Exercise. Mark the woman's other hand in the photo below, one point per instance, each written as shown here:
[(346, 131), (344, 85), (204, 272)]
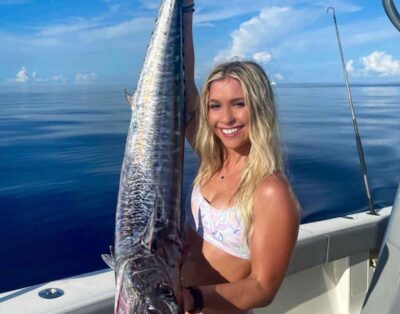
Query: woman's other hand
[(188, 301)]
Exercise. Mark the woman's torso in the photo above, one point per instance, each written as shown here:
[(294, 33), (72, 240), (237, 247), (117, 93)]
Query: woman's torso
[(206, 263)]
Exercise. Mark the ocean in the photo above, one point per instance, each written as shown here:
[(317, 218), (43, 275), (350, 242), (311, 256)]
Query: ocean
[(61, 149)]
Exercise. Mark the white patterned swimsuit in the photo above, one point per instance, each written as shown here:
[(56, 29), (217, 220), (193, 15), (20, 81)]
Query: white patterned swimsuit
[(222, 228)]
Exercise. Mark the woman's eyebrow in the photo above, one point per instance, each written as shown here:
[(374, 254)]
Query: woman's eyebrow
[(231, 101), (237, 99)]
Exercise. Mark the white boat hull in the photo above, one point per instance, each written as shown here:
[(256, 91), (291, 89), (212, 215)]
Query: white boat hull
[(329, 274)]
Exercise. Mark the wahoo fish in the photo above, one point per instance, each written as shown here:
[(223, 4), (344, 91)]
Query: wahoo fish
[(148, 245)]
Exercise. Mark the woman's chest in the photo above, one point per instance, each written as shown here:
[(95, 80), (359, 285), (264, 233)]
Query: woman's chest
[(220, 193)]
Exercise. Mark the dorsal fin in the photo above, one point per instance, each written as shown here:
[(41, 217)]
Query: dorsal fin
[(129, 98)]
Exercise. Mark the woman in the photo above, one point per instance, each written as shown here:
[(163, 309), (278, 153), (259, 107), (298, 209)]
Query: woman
[(242, 218)]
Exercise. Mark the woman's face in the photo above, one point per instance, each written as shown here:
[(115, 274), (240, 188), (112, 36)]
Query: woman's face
[(228, 115)]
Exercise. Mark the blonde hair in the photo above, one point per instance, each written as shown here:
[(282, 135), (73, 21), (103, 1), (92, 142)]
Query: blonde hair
[(265, 156)]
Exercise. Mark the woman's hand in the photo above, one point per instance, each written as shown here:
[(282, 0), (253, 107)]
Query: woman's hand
[(187, 2), (188, 301)]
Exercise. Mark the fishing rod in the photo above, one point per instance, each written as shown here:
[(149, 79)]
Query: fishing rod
[(357, 134), (392, 13)]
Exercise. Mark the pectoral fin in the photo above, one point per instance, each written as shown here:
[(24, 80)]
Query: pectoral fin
[(109, 258)]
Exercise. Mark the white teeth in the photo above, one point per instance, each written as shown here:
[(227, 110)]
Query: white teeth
[(229, 131)]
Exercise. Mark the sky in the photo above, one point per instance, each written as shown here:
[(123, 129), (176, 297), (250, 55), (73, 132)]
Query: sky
[(105, 41)]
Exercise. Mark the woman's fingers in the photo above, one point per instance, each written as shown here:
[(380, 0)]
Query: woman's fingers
[(187, 2), (188, 302)]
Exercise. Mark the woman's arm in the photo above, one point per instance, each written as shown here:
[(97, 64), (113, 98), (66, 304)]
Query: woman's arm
[(191, 94), (276, 217)]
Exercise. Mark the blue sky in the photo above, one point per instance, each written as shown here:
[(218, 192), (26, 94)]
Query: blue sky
[(104, 41)]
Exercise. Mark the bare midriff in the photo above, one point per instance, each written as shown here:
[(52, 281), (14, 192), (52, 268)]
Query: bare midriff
[(206, 264)]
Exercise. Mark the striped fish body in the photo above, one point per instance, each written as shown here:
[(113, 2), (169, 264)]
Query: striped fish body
[(148, 232)]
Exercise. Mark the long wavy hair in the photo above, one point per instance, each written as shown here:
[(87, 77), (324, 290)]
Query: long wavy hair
[(265, 156)]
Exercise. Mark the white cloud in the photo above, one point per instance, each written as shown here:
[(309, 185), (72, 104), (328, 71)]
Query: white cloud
[(218, 15), (340, 6), (212, 10), (73, 26), (135, 25), (256, 34), (74, 30), (22, 76), (278, 77), (85, 78), (150, 4), (58, 78), (115, 7), (262, 57), (380, 63), (349, 66)]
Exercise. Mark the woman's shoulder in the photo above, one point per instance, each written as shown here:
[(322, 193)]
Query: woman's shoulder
[(275, 193), (273, 185)]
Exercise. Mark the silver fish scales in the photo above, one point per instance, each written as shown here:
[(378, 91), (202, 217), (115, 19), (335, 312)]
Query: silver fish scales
[(148, 232)]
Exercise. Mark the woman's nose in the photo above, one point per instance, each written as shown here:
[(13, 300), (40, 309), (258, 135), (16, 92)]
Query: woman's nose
[(227, 116)]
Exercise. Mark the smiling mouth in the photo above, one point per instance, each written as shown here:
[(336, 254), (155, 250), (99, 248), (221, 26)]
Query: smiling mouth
[(230, 131)]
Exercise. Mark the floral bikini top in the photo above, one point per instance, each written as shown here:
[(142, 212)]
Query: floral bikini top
[(222, 228)]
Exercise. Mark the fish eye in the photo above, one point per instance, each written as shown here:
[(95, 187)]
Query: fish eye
[(165, 290), (151, 309)]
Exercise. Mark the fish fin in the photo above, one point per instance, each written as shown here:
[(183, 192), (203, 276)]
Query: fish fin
[(109, 258), (129, 98)]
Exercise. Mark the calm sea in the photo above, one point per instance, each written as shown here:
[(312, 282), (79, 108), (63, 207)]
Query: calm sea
[(61, 150)]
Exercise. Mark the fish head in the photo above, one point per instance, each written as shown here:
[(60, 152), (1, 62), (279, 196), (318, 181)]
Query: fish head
[(143, 287)]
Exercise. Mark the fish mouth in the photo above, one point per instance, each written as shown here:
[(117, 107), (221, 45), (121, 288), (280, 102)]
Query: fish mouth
[(144, 291), (122, 303)]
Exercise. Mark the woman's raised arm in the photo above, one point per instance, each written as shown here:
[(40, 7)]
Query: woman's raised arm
[(191, 94)]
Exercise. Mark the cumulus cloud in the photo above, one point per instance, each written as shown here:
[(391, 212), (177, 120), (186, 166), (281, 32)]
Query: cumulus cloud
[(208, 11), (278, 77), (85, 78), (349, 66), (58, 78), (22, 76), (254, 35), (262, 57), (380, 63)]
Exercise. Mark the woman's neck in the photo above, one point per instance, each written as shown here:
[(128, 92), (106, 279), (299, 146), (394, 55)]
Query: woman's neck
[(233, 161), (233, 158)]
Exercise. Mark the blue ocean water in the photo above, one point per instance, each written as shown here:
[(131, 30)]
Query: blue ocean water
[(61, 150)]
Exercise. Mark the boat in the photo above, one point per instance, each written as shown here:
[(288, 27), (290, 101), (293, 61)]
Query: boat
[(343, 265), (330, 272)]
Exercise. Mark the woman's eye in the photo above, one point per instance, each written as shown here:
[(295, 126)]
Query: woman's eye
[(213, 106), (239, 104)]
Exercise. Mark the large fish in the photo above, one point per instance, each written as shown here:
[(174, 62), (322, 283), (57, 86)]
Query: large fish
[(148, 234)]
